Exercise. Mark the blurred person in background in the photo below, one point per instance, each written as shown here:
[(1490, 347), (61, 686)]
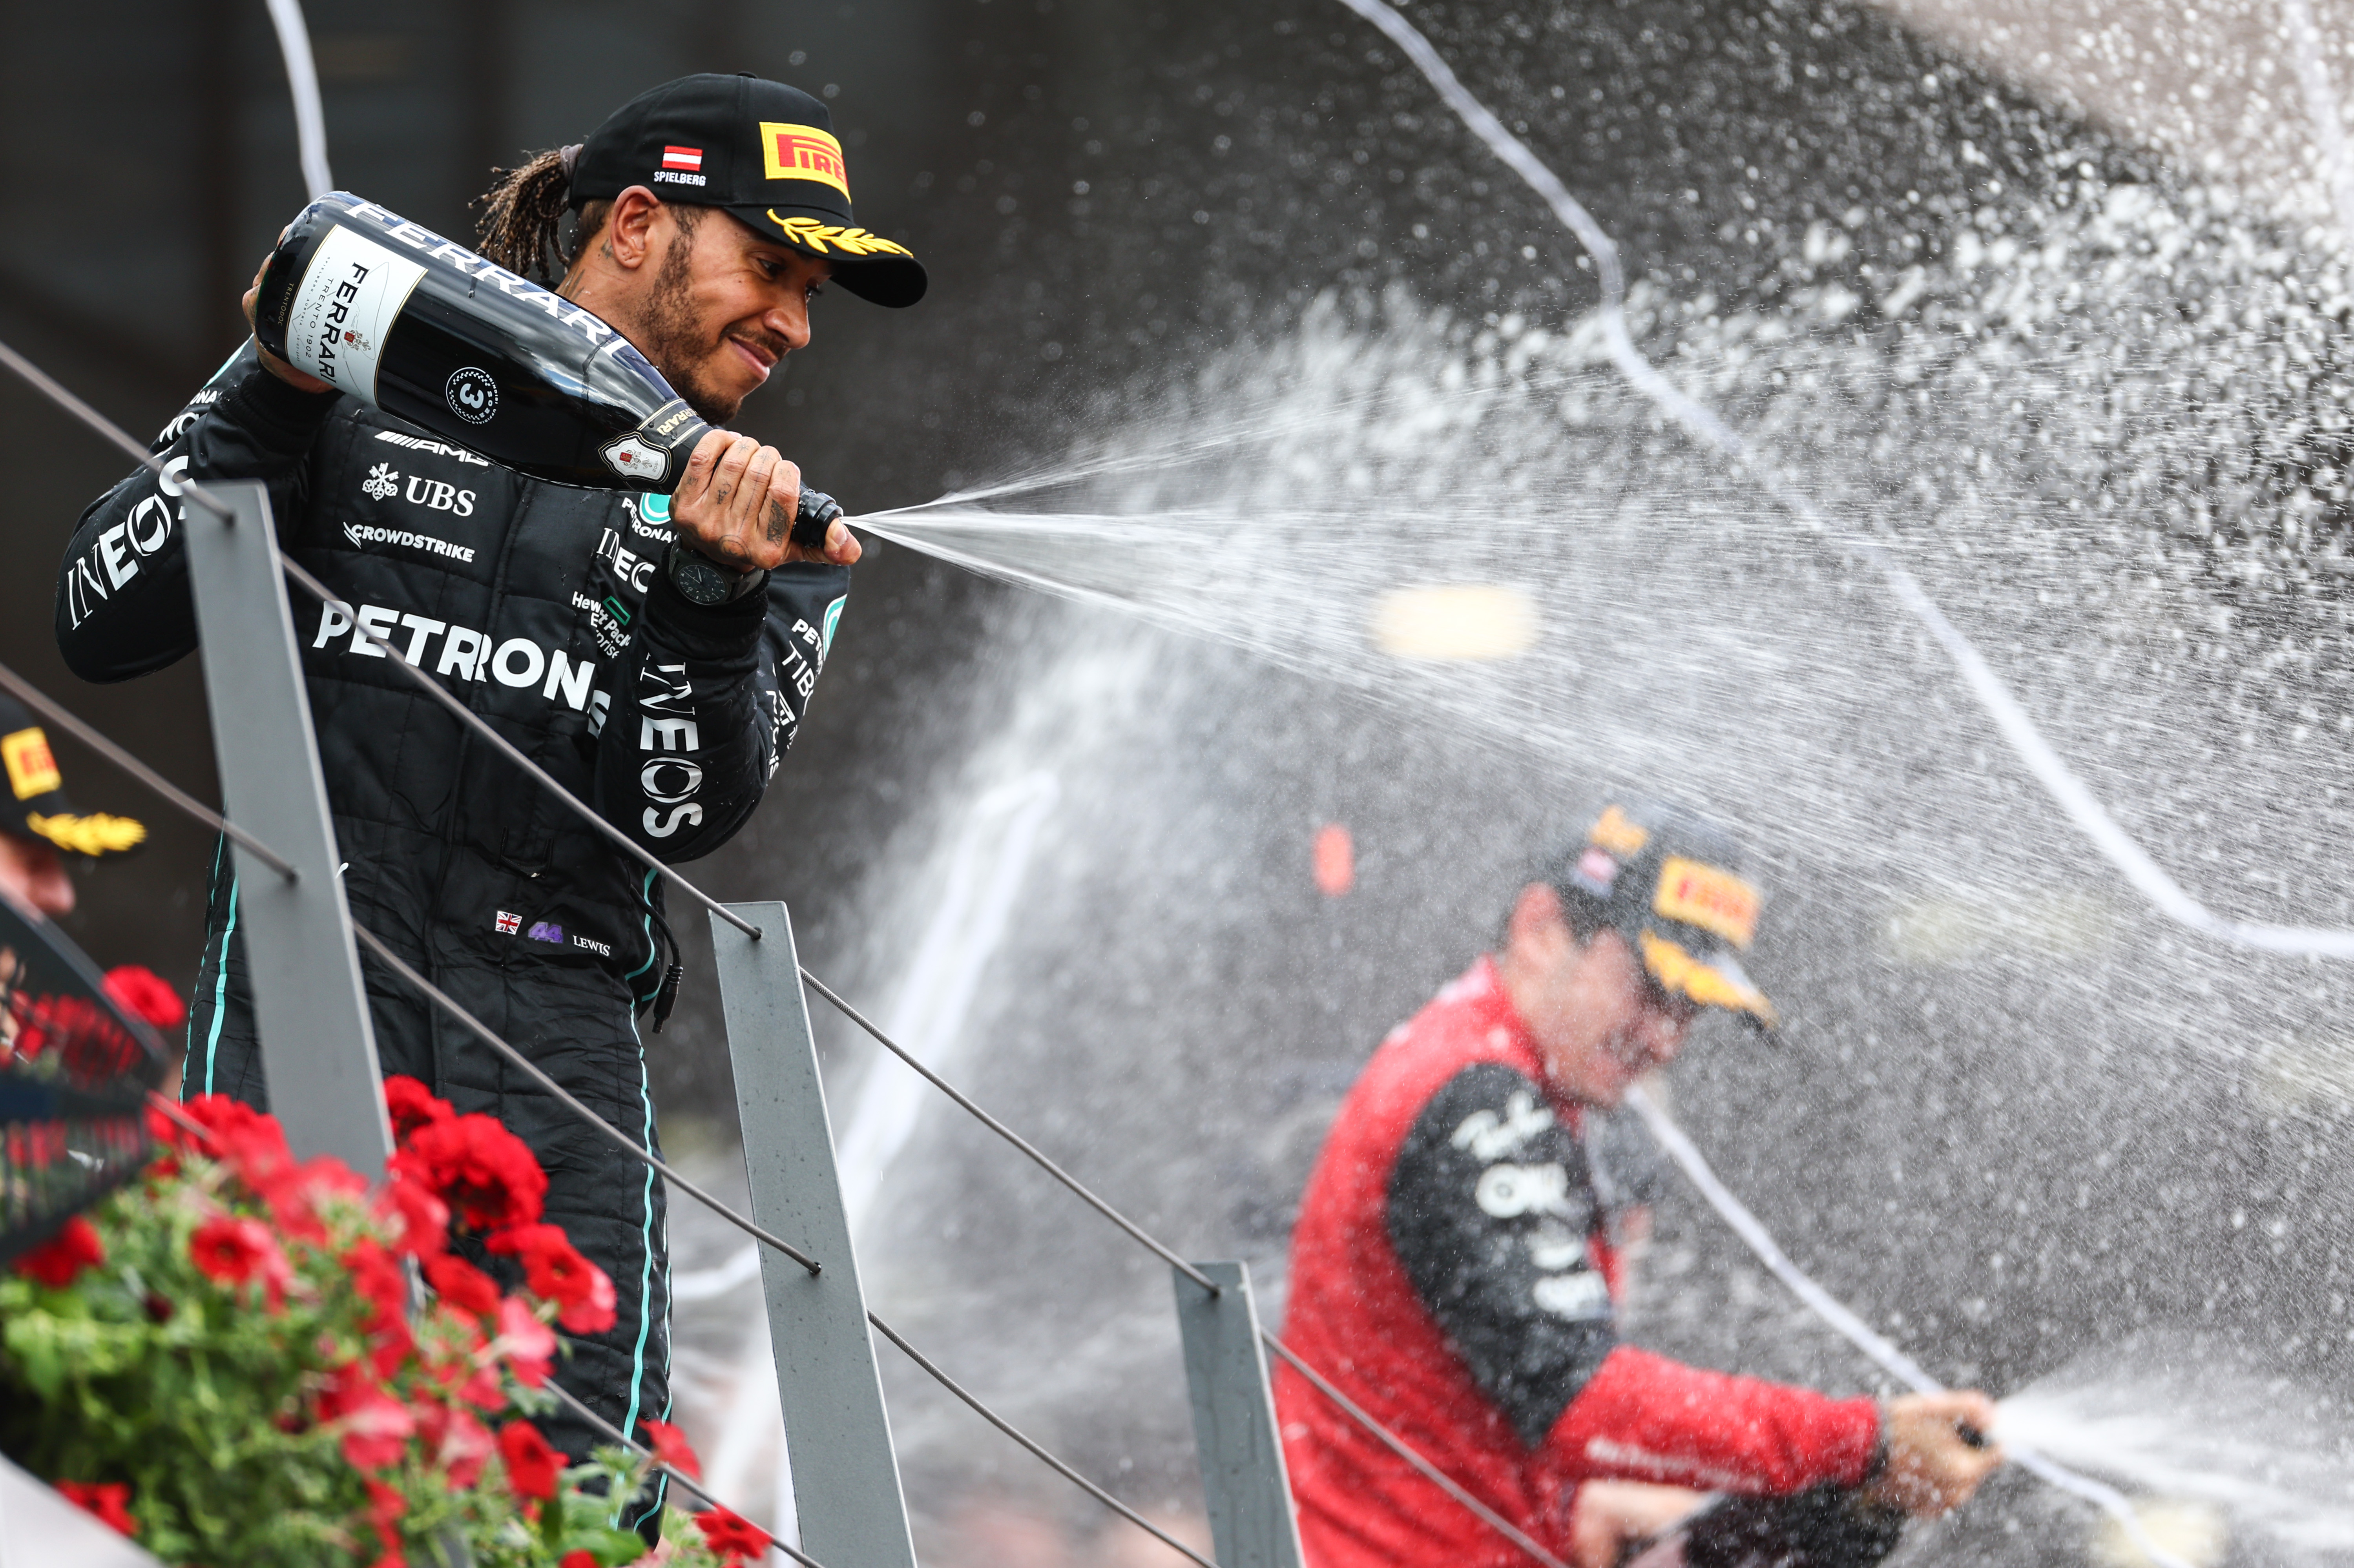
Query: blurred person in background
[(38, 826), (655, 653), (1460, 1259)]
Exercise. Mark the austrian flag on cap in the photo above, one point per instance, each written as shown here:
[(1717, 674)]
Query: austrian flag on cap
[(688, 159)]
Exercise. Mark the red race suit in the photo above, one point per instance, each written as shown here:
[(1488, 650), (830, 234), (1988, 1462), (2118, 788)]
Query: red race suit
[(1453, 1272)]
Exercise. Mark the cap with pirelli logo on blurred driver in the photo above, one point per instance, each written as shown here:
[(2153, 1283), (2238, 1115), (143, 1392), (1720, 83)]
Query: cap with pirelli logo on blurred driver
[(764, 152), (1669, 881)]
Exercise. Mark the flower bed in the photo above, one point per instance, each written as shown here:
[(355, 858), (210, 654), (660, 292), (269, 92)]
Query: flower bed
[(230, 1362)]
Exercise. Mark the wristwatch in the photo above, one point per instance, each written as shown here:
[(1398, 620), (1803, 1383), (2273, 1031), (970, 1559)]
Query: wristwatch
[(704, 581)]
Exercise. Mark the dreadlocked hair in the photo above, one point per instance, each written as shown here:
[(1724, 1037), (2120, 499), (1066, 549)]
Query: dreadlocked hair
[(522, 226)]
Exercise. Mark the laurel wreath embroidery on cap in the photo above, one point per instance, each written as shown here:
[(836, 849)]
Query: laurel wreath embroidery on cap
[(849, 241), (95, 834)]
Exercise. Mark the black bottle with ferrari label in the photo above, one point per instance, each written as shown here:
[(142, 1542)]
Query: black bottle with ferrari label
[(427, 329)]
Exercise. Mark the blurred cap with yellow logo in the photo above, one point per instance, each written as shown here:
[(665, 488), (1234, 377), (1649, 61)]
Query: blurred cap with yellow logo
[(35, 806), (1669, 881)]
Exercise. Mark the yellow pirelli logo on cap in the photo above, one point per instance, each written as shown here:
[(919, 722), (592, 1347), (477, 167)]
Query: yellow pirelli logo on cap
[(803, 153), (1680, 974), (1709, 897), (31, 770)]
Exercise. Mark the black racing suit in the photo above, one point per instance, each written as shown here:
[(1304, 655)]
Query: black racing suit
[(545, 610)]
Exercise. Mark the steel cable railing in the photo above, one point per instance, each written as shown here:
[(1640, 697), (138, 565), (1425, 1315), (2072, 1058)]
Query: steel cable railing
[(685, 1482), (563, 1096), (490, 1037), (1315, 1379), (1011, 1137), (1404, 1451), (41, 381), (1007, 1427), (1389, 1439)]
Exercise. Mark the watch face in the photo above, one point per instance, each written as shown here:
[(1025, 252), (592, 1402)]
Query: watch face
[(703, 581)]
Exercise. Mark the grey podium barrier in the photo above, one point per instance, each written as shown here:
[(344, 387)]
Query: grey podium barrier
[(318, 1051), (1243, 1477), (837, 1437)]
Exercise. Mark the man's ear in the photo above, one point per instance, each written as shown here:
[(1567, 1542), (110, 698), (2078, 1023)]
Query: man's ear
[(630, 228), (1537, 924)]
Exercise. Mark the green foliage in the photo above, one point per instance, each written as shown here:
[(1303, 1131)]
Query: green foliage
[(250, 1358)]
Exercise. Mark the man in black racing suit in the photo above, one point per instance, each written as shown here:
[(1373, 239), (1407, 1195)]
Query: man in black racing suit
[(658, 686)]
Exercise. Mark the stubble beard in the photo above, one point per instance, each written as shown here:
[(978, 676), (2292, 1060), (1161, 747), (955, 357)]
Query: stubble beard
[(674, 341)]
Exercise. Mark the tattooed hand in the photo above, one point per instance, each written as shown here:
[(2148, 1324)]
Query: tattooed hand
[(736, 505)]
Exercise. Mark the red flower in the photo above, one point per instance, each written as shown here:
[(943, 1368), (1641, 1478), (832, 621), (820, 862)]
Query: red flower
[(57, 1260), (146, 995), (732, 1536), (670, 1446), (378, 1275), (557, 1272), (380, 1282), (424, 1219), (376, 1427), (485, 1174), (532, 1465), (412, 1106), (294, 1191), (458, 1444), (106, 1501), (484, 1390), (461, 1284), (385, 1505), (233, 1250), (250, 1141), (578, 1557), (525, 1341)]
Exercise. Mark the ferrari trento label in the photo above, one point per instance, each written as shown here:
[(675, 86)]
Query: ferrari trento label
[(803, 153), (665, 422), (347, 301), (1704, 895)]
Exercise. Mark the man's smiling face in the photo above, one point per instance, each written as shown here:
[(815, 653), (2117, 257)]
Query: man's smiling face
[(725, 306)]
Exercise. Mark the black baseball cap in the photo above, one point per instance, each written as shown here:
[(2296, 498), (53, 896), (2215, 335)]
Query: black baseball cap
[(1669, 881), (766, 154), (33, 806)]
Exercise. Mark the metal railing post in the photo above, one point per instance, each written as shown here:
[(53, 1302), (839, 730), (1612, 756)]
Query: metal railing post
[(310, 1006), (1248, 1490), (838, 1439)]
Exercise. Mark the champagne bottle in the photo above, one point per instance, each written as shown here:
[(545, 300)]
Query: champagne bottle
[(427, 329)]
